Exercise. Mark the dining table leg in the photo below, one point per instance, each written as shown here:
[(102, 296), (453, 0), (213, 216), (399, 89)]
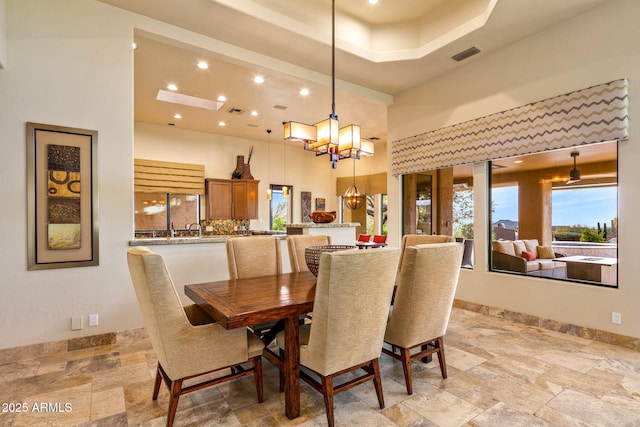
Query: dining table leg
[(292, 367)]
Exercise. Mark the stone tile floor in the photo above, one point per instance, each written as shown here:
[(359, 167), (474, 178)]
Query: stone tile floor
[(500, 374)]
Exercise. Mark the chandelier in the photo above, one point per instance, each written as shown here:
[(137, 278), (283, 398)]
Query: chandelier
[(325, 137)]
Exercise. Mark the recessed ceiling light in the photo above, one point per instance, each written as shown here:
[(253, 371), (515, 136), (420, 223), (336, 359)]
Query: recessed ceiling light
[(177, 116), (222, 124), (374, 1), (304, 91), (172, 86), (254, 113), (222, 98), (258, 79), (518, 161), (203, 65)]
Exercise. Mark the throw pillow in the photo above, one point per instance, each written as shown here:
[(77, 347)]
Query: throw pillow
[(546, 252), (519, 247), (529, 256)]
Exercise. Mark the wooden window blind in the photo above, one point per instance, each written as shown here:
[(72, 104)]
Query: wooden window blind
[(152, 176)]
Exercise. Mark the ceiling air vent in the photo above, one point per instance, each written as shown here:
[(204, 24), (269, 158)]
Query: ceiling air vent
[(233, 110), (280, 107), (465, 54)]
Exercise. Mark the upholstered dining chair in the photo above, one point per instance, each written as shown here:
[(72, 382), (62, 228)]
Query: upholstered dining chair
[(253, 257), (426, 287), (421, 239), (344, 336), (364, 238), (186, 341), (298, 243)]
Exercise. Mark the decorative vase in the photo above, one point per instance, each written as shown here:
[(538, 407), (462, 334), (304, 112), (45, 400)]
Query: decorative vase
[(246, 171), (237, 173)]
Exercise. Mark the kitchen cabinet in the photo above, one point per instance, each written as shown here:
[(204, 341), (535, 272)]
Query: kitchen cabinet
[(231, 198)]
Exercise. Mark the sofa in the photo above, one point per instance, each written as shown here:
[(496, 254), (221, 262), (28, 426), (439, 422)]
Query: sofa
[(527, 257)]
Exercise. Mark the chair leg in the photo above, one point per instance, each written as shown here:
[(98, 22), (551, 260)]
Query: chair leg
[(405, 355), (443, 364), (327, 391), (281, 374), (174, 396), (156, 386), (377, 382), (257, 368)]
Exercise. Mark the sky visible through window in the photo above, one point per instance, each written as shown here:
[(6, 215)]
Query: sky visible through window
[(570, 207)]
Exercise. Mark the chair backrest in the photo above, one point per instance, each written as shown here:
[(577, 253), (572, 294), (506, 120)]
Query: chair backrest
[(425, 292), (421, 239), (379, 239), (161, 308), (364, 237), (296, 245), (253, 257), (352, 299)]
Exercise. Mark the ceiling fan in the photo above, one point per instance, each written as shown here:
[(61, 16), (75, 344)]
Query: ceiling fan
[(574, 174)]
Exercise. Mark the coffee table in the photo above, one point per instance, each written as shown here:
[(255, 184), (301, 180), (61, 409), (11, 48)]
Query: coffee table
[(591, 268)]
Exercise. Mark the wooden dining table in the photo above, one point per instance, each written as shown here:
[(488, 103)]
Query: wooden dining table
[(244, 302)]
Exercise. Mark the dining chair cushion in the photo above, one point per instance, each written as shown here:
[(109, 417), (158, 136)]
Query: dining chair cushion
[(364, 237), (297, 245), (253, 257)]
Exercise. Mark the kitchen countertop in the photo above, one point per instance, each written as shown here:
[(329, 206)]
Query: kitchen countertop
[(151, 241), (323, 225)]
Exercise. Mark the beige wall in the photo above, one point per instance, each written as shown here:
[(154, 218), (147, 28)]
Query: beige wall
[(591, 49)]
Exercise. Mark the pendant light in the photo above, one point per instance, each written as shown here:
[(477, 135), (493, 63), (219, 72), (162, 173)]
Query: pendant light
[(325, 137), (352, 197)]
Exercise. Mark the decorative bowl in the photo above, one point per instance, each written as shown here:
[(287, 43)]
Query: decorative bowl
[(322, 217), (312, 254)]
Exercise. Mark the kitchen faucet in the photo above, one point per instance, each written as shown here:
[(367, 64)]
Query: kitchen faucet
[(195, 226)]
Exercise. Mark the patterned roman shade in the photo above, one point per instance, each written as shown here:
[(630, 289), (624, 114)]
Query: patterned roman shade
[(592, 115)]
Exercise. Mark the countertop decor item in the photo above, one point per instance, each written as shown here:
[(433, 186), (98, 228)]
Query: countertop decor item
[(312, 254), (322, 217)]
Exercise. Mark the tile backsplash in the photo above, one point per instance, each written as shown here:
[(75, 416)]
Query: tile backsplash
[(217, 227)]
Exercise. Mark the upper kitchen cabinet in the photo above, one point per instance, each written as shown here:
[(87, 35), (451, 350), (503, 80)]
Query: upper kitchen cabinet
[(231, 198)]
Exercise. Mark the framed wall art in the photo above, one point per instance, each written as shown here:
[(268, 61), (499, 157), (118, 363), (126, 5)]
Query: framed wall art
[(320, 204), (62, 191), (305, 200)]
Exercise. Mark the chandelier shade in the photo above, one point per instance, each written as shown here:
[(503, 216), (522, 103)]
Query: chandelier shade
[(294, 131)]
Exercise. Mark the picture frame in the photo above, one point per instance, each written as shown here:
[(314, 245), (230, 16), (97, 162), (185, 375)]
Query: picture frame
[(62, 197), (320, 204), (305, 201)]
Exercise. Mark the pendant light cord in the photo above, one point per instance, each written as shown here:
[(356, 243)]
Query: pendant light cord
[(333, 60)]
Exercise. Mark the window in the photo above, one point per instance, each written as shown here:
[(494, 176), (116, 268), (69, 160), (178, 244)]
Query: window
[(280, 206), (156, 214), (562, 206)]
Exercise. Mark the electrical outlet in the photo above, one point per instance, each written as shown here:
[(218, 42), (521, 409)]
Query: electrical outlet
[(76, 323), (616, 318), (93, 320)]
